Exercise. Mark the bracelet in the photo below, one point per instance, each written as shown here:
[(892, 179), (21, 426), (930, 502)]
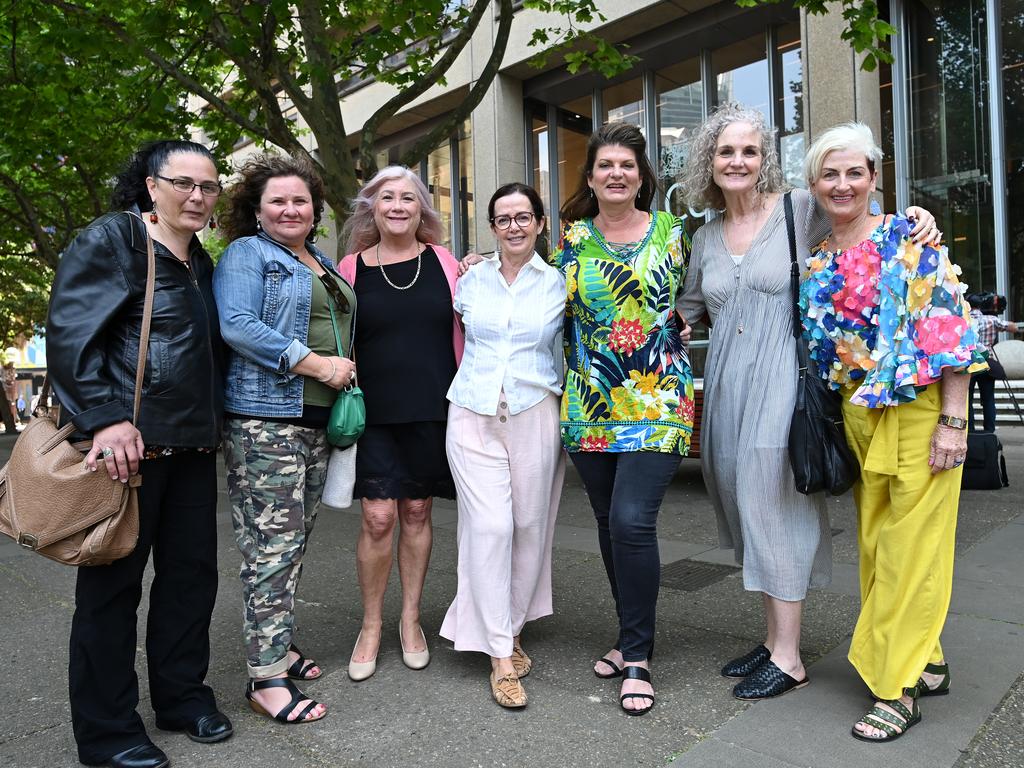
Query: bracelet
[(334, 370), (952, 421)]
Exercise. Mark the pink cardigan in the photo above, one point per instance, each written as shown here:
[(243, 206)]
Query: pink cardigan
[(347, 269)]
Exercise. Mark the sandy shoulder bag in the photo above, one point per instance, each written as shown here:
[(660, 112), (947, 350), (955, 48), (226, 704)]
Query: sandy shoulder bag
[(51, 503)]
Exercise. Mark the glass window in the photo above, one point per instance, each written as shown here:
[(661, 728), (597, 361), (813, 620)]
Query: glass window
[(540, 173), (439, 184), (887, 174), (790, 104), (624, 103), (1013, 115), (467, 202), (949, 134), (680, 112), (575, 124), (741, 74)]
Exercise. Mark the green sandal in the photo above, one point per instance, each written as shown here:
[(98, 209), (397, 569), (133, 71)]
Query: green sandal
[(939, 690), (893, 725)]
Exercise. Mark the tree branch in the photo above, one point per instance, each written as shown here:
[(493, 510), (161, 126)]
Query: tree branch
[(442, 65), (185, 80), (476, 93), (44, 248)]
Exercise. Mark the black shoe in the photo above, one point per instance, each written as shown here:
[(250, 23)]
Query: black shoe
[(207, 729), (765, 682), (142, 756), (744, 665), (636, 673)]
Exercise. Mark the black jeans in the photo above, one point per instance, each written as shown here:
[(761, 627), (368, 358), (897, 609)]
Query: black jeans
[(625, 491), (177, 521), (986, 383)]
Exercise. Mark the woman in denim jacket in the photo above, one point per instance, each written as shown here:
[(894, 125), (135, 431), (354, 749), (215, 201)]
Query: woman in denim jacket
[(279, 299)]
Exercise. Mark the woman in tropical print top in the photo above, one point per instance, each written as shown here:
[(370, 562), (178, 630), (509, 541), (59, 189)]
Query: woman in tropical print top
[(628, 384), (627, 408)]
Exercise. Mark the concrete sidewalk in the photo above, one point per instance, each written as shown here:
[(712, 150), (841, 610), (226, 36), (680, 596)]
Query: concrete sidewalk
[(444, 716)]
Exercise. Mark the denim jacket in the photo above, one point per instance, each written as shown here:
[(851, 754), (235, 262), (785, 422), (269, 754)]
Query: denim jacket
[(263, 297)]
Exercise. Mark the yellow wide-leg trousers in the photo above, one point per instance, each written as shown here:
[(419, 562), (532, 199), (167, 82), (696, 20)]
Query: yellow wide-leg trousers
[(906, 526)]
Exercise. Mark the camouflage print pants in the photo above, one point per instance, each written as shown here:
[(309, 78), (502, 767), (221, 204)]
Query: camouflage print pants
[(276, 474)]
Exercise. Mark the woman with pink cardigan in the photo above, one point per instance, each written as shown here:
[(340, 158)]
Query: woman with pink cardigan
[(408, 344)]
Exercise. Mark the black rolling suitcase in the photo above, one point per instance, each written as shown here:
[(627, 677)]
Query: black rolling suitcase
[(985, 467)]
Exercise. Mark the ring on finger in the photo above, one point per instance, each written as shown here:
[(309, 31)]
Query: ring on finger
[(108, 452)]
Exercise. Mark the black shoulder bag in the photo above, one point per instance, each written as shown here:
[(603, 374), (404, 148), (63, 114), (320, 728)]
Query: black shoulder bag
[(821, 458)]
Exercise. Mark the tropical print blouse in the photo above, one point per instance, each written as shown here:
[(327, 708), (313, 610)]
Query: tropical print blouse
[(628, 386), (887, 316)]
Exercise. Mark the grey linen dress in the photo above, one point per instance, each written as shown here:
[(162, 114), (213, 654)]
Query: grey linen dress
[(781, 537)]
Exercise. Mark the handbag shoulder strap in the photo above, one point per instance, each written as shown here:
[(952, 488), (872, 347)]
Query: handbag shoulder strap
[(794, 267), (334, 325), (147, 320)]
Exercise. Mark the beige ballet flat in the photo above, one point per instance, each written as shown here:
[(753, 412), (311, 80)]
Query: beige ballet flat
[(361, 670), (414, 659)]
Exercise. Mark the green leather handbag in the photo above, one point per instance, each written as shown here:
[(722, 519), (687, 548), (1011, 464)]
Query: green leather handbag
[(348, 414)]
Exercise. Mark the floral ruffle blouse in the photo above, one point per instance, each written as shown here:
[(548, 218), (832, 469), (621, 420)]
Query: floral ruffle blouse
[(628, 386), (887, 316)]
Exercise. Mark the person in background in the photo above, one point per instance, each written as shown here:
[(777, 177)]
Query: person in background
[(985, 311), (408, 345), (10, 384), (96, 309), (276, 292), (503, 442), (888, 326)]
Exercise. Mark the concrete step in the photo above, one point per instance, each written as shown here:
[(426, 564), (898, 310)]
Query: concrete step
[(1006, 413)]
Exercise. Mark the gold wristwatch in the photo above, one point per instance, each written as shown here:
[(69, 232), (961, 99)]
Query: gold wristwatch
[(952, 421)]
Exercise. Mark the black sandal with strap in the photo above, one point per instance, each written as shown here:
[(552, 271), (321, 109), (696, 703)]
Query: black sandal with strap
[(282, 715), (616, 671), (636, 673), (942, 688), (894, 724), (302, 665)]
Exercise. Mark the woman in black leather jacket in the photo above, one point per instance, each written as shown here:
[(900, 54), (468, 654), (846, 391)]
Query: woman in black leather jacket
[(93, 331)]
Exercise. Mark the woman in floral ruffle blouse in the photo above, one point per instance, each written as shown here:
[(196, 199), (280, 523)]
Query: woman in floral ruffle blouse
[(887, 325), (627, 408)]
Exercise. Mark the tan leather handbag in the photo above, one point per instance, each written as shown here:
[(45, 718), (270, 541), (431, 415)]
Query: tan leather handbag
[(49, 500)]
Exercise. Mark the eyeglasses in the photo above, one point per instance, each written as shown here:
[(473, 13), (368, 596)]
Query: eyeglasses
[(185, 186), (521, 219)]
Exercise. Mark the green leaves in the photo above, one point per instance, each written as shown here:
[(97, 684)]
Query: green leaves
[(865, 31)]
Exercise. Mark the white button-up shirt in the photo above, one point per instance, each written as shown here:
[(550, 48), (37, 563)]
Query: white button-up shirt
[(513, 336)]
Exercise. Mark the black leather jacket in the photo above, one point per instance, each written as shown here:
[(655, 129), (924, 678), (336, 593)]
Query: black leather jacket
[(92, 336)]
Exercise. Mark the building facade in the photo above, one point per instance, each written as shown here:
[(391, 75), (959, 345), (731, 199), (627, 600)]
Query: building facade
[(949, 112)]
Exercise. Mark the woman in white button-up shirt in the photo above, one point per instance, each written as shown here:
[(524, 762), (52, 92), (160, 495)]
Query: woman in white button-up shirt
[(503, 441)]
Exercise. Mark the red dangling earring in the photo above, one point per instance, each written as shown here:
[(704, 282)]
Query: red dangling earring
[(153, 218), (213, 223)]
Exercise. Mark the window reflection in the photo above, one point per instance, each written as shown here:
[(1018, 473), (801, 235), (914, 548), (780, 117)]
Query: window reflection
[(949, 134), (680, 109), (790, 101), (741, 74), (1013, 106), (624, 103), (466, 199), (575, 124)]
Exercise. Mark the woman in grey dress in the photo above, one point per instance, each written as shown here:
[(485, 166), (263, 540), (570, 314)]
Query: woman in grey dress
[(739, 278)]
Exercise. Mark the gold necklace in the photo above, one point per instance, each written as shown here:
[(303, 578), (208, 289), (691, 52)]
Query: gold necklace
[(419, 263)]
